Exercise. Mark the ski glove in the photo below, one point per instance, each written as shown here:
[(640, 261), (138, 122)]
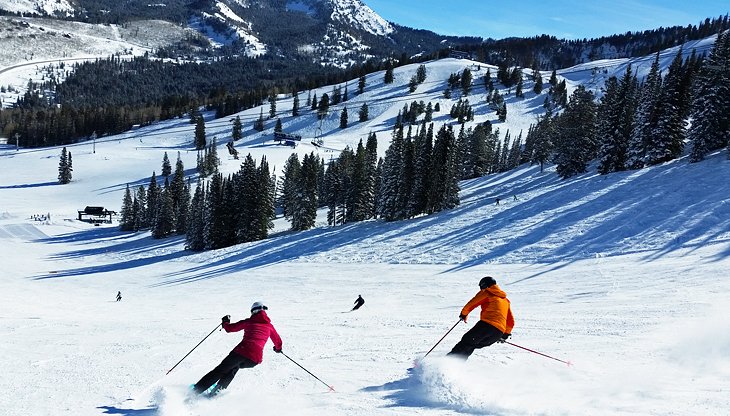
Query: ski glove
[(226, 319), (278, 351), (505, 336), (462, 317)]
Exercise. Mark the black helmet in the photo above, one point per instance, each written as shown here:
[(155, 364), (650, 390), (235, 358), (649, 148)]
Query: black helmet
[(486, 282)]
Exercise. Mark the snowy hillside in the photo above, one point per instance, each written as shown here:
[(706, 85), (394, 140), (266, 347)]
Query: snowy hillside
[(38, 7), (624, 275)]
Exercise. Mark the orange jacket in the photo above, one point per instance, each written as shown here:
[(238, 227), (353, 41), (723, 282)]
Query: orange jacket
[(495, 308)]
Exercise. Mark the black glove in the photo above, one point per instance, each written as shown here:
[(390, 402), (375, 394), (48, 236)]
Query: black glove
[(462, 317), (226, 319), (278, 351), (505, 336)]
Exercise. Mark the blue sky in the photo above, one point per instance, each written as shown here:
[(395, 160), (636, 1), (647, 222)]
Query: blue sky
[(572, 19)]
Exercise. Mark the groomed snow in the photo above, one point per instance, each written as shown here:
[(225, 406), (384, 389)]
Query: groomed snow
[(623, 275)]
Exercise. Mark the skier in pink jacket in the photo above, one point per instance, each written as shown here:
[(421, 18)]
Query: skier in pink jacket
[(248, 353)]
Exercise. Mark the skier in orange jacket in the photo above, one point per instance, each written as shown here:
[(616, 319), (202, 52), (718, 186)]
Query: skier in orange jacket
[(495, 321)]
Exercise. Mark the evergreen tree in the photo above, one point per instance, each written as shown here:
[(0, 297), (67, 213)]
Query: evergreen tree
[(278, 128), (166, 166), (363, 113), (537, 88), (126, 222), (343, 118), (64, 167), (371, 161), (314, 103), (195, 235), (667, 141), (615, 123), (180, 195), (576, 144), (518, 91), (389, 200), (258, 125), (153, 196), (646, 118), (361, 85), (466, 80), (289, 185), (323, 106), (164, 220), (237, 133), (710, 111), (444, 193), (200, 141), (295, 105), (388, 78), (422, 149), (305, 205), (140, 209), (272, 104)]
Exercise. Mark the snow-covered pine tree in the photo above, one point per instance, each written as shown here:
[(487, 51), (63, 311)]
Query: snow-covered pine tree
[(646, 117), (710, 112), (180, 196), (576, 145), (361, 84), (667, 141), (289, 185)]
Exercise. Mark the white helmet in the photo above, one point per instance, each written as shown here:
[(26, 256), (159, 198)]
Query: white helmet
[(258, 307)]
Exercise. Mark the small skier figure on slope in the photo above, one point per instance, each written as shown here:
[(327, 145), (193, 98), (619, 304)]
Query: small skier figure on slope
[(247, 354), (496, 320), (358, 302), (119, 296)]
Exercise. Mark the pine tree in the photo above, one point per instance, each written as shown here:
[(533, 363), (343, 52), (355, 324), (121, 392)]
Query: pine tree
[(200, 141), (258, 125), (153, 195), (363, 113), (289, 190), (65, 167), (422, 149), (295, 105), (278, 128), (444, 193), (166, 166), (466, 80), (389, 199), (537, 88), (343, 118), (576, 144), (314, 103), (305, 208), (140, 209), (361, 85), (646, 118), (126, 222), (667, 140), (518, 90), (323, 106), (272, 104), (180, 197), (164, 220), (237, 133), (710, 111), (195, 235), (388, 78)]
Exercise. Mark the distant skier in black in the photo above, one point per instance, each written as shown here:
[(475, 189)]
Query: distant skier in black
[(119, 296), (358, 302)]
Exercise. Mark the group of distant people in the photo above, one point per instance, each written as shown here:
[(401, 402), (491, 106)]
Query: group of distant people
[(41, 217), (495, 325)]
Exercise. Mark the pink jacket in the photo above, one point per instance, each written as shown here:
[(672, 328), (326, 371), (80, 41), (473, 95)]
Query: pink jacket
[(257, 330)]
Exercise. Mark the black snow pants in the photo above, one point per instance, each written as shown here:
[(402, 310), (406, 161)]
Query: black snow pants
[(224, 372), (480, 336)]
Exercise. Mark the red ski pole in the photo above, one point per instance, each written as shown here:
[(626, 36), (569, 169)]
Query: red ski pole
[(538, 353)]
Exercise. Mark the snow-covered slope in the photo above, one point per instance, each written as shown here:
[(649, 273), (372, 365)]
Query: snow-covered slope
[(356, 14), (624, 275), (38, 7)]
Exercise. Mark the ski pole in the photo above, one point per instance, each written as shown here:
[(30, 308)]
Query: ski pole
[(439, 341), (539, 353), (186, 355), (310, 373)]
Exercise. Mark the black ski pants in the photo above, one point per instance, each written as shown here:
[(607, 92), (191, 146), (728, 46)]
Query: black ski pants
[(480, 336), (224, 372)]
